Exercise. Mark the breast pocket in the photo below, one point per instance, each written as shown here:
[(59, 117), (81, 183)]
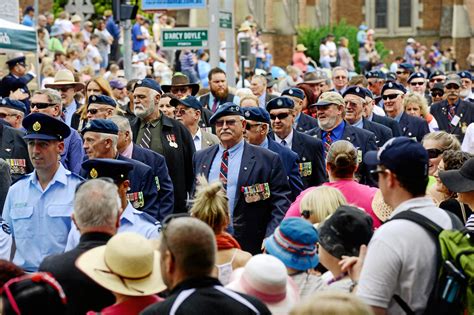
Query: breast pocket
[(21, 222), (59, 220)]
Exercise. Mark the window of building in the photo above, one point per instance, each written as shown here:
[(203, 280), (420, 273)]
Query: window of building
[(392, 17), (381, 13)]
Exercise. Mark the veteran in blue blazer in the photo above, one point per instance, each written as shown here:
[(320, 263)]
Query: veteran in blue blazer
[(253, 177), (303, 122)]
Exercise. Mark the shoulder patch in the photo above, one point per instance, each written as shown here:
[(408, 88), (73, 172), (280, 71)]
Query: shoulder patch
[(5, 226)]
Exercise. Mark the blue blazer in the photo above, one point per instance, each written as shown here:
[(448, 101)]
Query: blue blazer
[(382, 133), (364, 141), (305, 123), (253, 221), (465, 112), (389, 122), (157, 163), (413, 127), (290, 163), (10, 83)]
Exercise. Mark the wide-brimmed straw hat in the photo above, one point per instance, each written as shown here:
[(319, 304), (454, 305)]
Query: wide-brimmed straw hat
[(381, 209), (301, 47), (265, 277), (127, 265), (180, 79), (64, 77)]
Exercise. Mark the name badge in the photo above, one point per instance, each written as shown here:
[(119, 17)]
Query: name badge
[(157, 182), (455, 120), (256, 192), (136, 198), (17, 166), (305, 169)]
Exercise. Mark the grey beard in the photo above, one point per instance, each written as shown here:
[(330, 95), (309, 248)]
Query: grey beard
[(328, 125)]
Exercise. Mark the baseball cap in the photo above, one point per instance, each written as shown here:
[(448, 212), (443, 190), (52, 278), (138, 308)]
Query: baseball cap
[(189, 101), (453, 79), (328, 98)]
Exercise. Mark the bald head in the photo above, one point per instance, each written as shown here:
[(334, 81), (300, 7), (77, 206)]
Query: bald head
[(193, 245)]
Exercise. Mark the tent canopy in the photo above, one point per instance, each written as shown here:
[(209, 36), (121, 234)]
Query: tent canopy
[(15, 36)]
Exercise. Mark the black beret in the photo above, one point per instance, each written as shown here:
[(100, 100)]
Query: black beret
[(101, 126), (465, 75), (436, 73), (295, 92), (376, 74), (416, 75), (102, 99), (13, 104), (256, 114), (226, 109), (355, 90), (393, 86)]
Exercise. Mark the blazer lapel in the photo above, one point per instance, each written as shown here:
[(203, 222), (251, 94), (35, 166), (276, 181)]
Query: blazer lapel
[(246, 167), (7, 143), (206, 162)]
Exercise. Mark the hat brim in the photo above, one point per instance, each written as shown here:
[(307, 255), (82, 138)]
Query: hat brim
[(321, 103), (371, 158), (452, 82), (282, 307), (290, 260), (77, 85), (92, 263), (194, 86), (456, 182), (40, 136)]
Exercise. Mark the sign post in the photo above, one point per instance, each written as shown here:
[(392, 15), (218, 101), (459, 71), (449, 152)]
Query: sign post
[(184, 38)]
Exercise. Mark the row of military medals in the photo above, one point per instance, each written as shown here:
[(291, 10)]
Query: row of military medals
[(256, 192), (172, 141)]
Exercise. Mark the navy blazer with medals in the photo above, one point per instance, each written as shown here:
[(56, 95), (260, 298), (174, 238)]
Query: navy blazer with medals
[(382, 133), (253, 221), (364, 141), (163, 181), (388, 122), (143, 194), (413, 127), (309, 150), (178, 157), (14, 150), (306, 122), (465, 112), (290, 162)]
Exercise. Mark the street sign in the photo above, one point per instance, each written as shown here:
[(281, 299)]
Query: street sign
[(225, 19), (172, 4), (184, 38)]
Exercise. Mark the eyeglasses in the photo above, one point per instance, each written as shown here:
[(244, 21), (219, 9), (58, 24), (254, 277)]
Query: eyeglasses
[(5, 115), (279, 116), (434, 153), (390, 96), (437, 80), (375, 173), (417, 83), (340, 77), (41, 105), (249, 126), (182, 89), (452, 87), (437, 94), (64, 88), (229, 123)]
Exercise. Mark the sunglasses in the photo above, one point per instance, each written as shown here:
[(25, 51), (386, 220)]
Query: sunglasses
[(94, 111), (229, 123), (41, 105), (402, 72), (249, 126), (390, 96), (64, 88), (437, 94), (452, 87), (4, 115), (437, 80), (175, 90), (417, 83), (434, 153), (375, 173), (279, 116), (181, 111)]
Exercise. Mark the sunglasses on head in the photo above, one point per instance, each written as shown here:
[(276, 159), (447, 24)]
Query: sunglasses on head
[(279, 116), (417, 83), (390, 96), (41, 105), (434, 153)]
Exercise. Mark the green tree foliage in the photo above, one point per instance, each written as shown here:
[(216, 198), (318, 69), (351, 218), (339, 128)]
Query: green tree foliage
[(311, 38)]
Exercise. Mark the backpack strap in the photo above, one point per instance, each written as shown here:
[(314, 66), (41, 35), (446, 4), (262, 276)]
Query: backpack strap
[(403, 305)]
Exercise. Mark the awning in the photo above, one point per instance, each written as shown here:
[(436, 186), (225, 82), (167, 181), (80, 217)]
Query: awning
[(15, 36)]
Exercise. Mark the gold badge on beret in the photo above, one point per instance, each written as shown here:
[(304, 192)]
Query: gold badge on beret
[(93, 173), (36, 126)]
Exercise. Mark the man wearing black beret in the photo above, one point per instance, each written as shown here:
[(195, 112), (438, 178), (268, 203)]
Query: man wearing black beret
[(12, 111), (303, 122)]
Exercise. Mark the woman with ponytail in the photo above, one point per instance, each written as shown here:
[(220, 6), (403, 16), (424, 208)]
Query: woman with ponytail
[(211, 206)]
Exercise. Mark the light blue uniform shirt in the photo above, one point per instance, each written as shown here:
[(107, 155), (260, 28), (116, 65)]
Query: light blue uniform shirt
[(234, 161), (359, 124), (131, 220), (69, 111), (39, 219), (264, 144), (398, 117)]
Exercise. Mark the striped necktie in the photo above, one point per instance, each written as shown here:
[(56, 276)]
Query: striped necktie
[(224, 168), (146, 139), (328, 142)]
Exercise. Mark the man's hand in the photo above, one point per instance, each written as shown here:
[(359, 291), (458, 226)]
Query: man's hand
[(353, 265), (18, 95)]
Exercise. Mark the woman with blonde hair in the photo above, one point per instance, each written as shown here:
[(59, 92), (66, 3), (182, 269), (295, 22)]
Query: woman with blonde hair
[(94, 86), (416, 105), (345, 57), (212, 207), (320, 203), (342, 164)]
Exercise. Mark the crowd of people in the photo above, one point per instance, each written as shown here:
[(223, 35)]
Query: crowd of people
[(308, 194)]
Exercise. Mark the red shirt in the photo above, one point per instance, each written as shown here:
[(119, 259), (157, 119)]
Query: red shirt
[(132, 306)]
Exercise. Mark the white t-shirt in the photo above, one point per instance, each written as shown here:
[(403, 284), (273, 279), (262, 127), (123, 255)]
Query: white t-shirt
[(468, 142), (332, 50), (93, 52), (401, 259)]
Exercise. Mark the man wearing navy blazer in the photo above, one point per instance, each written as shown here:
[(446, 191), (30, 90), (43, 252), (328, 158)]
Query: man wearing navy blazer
[(253, 177), (354, 97), (258, 126), (369, 114), (310, 150), (333, 127), (453, 114), (156, 161), (412, 127), (303, 122)]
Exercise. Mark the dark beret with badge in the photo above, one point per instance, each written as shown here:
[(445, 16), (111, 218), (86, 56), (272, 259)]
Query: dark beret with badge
[(101, 126), (117, 170), (436, 73), (13, 104), (44, 127), (256, 114), (148, 83), (407, 67), (376, 74), (280, 102), (102, 99), (355, 90), (226, 109), (189, 101), (295, 92), (393, 86), (465, 75), (391, 76), (416, 75)]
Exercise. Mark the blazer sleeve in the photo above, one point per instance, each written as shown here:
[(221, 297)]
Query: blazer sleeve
[(319, 169), (75, 153), (294, 177), (188, 158), (150, 193), (165, 192)]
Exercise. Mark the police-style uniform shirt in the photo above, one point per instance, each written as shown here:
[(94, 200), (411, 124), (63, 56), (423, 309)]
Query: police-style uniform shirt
[(40, 220), (131, 220)]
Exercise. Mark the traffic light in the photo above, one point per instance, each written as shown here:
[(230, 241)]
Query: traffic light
[(122, 11)]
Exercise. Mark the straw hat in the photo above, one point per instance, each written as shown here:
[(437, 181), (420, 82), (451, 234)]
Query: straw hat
[(301, 47), (76, 18), (265, 277), (127, 265), (64, 77), (381, 209)]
